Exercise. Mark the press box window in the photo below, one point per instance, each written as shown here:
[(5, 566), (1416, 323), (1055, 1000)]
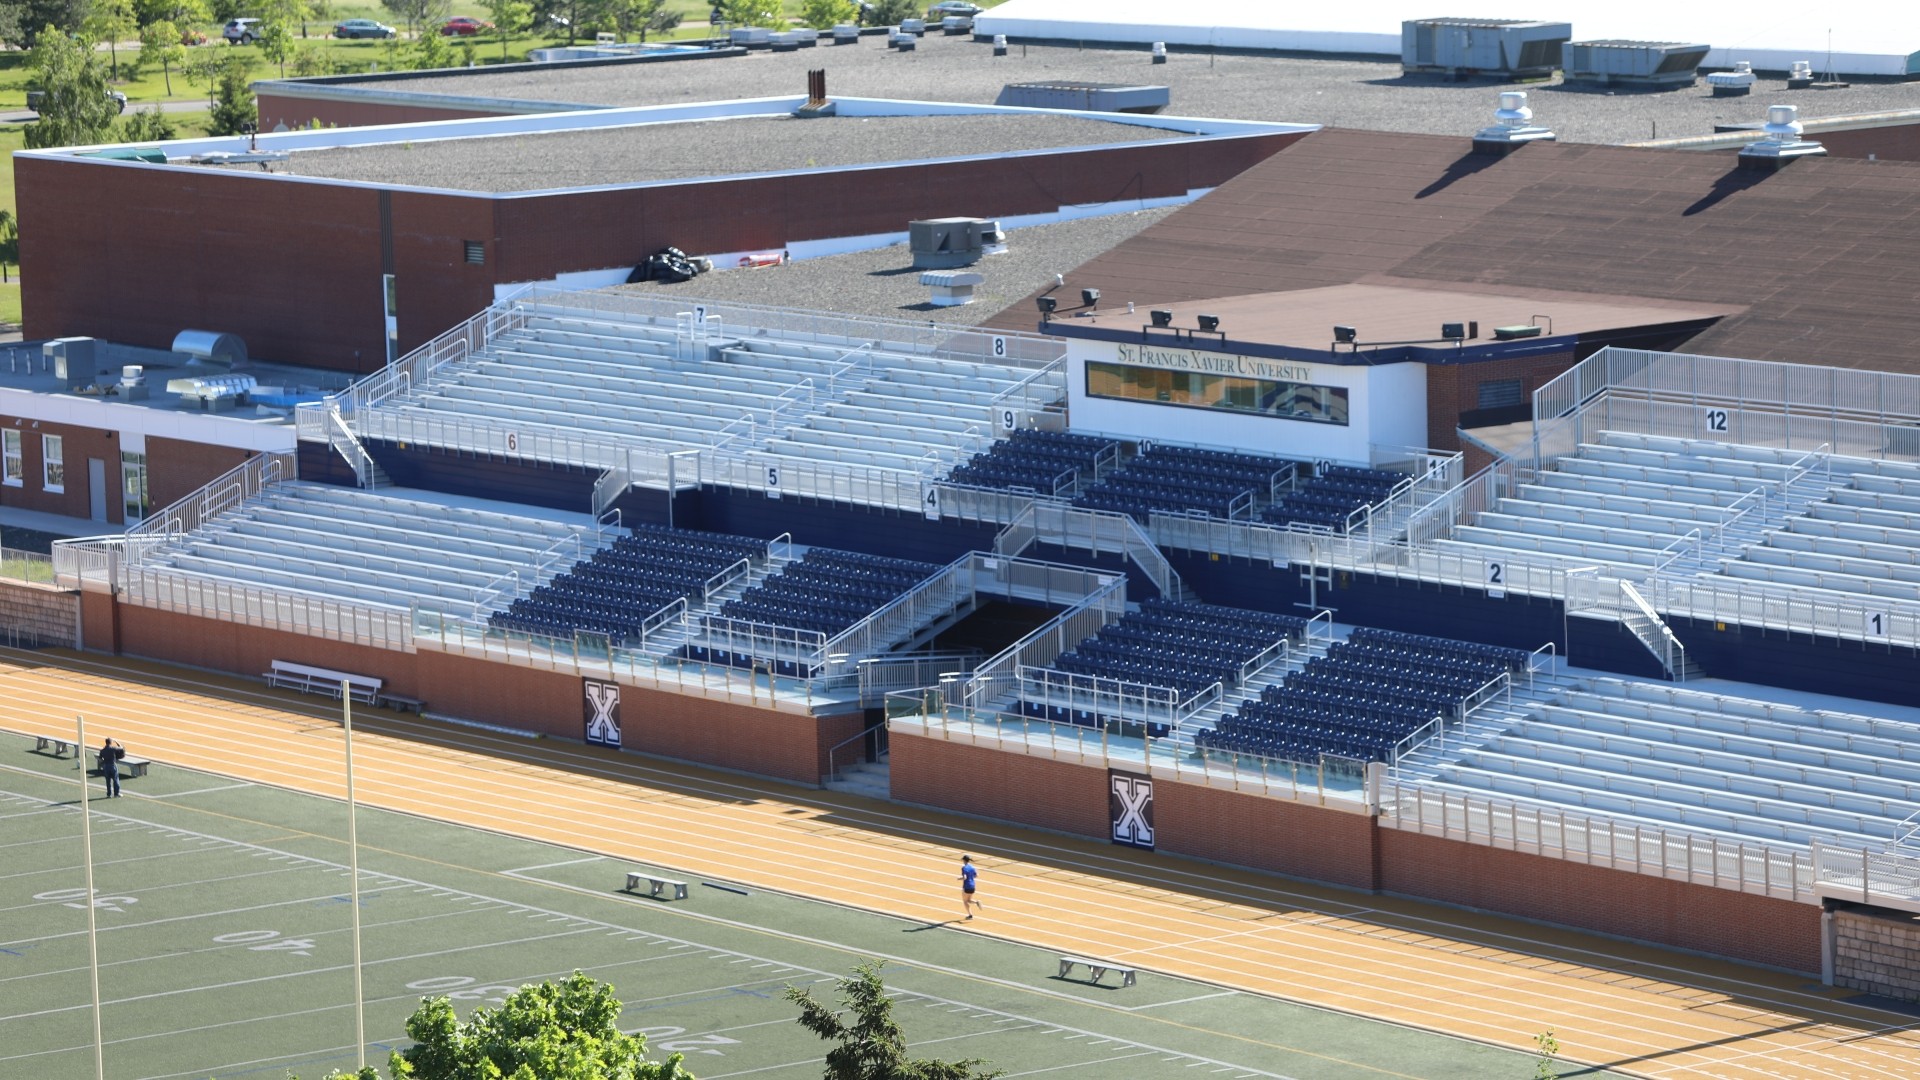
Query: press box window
[(1227, 393), (477, 252)]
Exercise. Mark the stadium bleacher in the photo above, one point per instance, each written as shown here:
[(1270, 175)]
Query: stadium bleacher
[(1362, 698), (1330, 499), (620, 587), (1184, 479), (823, 593), (1045, 462), (1180, 646)]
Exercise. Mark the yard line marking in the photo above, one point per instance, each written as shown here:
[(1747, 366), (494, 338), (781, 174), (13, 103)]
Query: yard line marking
[(195, 791), (1179, 1001), (551, 865), (1081, 1065)]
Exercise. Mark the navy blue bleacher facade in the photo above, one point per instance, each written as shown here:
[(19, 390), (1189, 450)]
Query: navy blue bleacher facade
[(1363, 697), (615, 591)]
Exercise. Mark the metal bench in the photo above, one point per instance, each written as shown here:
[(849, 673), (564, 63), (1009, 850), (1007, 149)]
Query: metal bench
[(129, 766), (1097, 968), (402, 703), (313, 680), (657, 884), (60, 747)]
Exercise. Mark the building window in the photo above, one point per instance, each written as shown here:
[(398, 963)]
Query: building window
[(53, 463), (133, 486), (16, 462), (1502, 393), (476, 252), (1220, 393)]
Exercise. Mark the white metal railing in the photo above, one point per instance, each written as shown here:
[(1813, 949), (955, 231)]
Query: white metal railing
[(1098, 531), (341, 440), (999, 676), (1652, 630), (1733, 422), (952, 587), (271, 608), (780, 476), (884, 675), (930, 712), (28, 566), (1785, 872), (223, 493), (1008, 347), (1880, 876)]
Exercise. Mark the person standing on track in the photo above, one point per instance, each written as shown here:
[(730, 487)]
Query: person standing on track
[(110, 754), (968, 875)]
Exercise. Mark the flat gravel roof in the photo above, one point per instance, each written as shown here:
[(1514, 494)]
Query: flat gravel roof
[(1365, 95), (707, 148), (883, 282)]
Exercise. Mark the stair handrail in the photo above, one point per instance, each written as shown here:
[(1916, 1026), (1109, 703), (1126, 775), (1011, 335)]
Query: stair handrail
[(926, 600), (834, 375), (1264, 657), (1535, 663), (1413, 740), (1324, 620), (1671, 643)]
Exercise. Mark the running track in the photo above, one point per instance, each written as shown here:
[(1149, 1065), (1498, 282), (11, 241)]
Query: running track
[(1642, 1010)]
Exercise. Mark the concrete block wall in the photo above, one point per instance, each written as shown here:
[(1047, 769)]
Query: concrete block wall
[(35, 615), (1877, 951)]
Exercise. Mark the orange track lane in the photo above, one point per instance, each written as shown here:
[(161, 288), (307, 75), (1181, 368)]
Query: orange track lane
[(1627, 1007)]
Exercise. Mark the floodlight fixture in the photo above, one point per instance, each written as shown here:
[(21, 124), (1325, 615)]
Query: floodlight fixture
[(1090, 297), (1162, 317), (1345, 335), (1046, 304), (1209, 323), (1453, 331)]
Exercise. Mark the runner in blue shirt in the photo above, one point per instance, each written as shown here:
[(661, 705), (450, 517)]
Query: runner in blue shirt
[(968, 872)]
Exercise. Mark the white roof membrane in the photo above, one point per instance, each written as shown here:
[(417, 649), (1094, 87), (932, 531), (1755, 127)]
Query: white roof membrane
[(1847, 37)]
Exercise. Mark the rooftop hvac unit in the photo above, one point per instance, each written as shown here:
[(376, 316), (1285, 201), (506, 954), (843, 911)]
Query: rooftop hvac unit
[(1508, 48), (944, 243), (1085, 96), (73, 361), (1655, 64)]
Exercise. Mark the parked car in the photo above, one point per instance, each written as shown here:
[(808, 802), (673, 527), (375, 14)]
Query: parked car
[(953, 7), (241, 31), (363, 28), (36, 97), (465, 26)]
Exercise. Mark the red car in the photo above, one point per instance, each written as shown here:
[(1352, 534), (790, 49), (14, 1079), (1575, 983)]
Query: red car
[(465, 26)]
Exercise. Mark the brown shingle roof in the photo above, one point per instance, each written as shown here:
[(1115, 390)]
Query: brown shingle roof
[(1820, 253)]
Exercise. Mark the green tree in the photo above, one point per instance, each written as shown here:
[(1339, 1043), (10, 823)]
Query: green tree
[(160, 44), (276, 42), (425, 14), (203, 66), (890, 12), (147, 125), (826, 14), (765, 13), (110, 21), (31, 18), (234, 112), (509, 17), (309, 58), (638, 18), (550, 1031), (872, 1046), (182, 13), (9, 243), (75, 109), (431, 51)]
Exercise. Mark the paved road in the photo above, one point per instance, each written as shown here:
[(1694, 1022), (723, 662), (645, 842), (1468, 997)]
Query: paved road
[(194, 104)]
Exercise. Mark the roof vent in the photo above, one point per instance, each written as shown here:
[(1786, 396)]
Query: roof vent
[(1513, 126), (1801, 76), (1735, 83), (1782, 142)]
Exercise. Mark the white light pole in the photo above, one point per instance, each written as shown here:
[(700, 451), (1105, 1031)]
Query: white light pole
[(86, 854), (353, 881)]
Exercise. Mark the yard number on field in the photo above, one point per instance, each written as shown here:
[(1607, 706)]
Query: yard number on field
[(71, 898), (267, 941), (672, 1040)]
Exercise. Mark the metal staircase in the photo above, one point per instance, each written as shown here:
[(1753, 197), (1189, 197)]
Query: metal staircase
[(1099, 532)]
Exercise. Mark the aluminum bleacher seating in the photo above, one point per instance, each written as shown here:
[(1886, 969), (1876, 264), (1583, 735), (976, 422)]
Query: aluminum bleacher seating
[(620, 587), (1362, 698), (823, 592), (1187, 480), (1179, 646), (1329, 500), (1048, 462)]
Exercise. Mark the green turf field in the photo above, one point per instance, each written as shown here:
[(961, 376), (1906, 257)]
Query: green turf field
[(226, 951)]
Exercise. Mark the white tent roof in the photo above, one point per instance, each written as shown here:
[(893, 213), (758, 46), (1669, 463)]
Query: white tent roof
[(1864, 37)]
